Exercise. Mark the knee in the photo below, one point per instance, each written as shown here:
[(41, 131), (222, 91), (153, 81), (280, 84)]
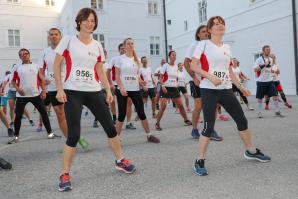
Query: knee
[(121, 117), (111, 133), (243, 125), (73, 139)]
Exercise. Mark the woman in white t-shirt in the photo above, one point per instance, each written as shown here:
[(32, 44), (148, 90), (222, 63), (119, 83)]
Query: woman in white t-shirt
[(276, 80), (129, 82), (212, 60), (84, 59), (169, 90), (182, 83)]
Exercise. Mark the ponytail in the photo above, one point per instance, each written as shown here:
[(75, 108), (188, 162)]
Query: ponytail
[(135, 57)]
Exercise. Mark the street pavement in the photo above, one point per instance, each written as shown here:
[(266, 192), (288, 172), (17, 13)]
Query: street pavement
[(164, 170)]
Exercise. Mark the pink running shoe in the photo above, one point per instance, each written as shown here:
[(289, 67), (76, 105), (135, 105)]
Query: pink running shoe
[(223, 117)]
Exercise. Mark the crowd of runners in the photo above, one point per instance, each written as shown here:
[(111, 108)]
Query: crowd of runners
[(73, 75)]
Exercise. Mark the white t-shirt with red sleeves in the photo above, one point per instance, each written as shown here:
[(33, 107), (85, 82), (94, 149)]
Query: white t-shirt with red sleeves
[(265, 74), (190, 50), (27, 79), (10, 76), (274, 76), (215, 60), (46, 62), (146, 75), (81, 60), (111, 66), (129, 72), (181, 78), (170, 73)]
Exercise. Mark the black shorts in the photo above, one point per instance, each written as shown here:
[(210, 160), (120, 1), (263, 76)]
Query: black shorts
[(265, 88), (172, 92), (51, 99), (194, 90), (182, 90), (150, 92)]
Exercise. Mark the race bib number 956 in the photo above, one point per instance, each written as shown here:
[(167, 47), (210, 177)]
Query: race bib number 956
[(84, 75)]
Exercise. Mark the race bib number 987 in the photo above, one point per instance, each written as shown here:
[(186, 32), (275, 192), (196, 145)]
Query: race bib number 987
[(223, 75)]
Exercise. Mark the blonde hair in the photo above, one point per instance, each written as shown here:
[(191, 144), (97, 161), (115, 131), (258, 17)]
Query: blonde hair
[(135, 57)]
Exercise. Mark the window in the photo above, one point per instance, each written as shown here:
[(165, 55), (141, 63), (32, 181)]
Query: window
[(202, 11), (14, 37), (152, 8), (13, 1), (100, 38), (97, 4), (169, 21), (154, 45), (50, 2), (185, 26), (170, 47)]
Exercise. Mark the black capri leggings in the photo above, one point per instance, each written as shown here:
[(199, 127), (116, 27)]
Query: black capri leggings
[(226, 98), (95, 101), (137, 101), (38, 104)]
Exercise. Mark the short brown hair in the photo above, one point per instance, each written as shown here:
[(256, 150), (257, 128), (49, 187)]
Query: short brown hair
[(23, 49), (264, 47), (55, 29), (210, 22), (83, 15)]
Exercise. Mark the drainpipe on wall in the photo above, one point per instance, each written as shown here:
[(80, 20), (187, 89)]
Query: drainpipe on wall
[(295, 42), (165, 28)]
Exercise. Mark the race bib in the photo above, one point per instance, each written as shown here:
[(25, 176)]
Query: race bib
[(83, 75), (172, 81), (181, 83), (130, 80), (223, 75), (149, 83), (267, 72)]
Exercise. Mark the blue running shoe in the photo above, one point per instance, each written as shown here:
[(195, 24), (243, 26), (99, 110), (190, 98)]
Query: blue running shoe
[(215, 137), (199, 168), (64, 184), (195, 134), (259, 156), (125, 166)]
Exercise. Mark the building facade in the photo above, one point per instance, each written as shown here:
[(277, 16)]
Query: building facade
[(250, 24)]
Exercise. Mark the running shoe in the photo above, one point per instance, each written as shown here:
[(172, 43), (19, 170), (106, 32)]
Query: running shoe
[(288, 105), (187, 123), (95, 124), (259, 156), (31, 122), (10, 132), (250, 108), (215, 137), (279, 114), (130, 126), (260, 115), (125, 166), (267, 107), (15, 139), (188, 109), (157, 127), (64, 184), (4, 164), (199, 168), (153, 139), (177, 111), (195, 133), (39, 128), (223, 117), (53, 135), (83, 143)]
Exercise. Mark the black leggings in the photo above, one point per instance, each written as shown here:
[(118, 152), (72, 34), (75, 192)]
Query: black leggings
[(96, 103), (235, 89), (38, 104), (137, 101), (226, 98)]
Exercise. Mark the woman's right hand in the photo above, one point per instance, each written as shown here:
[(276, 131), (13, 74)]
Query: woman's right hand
[(61, 96), (123, 91)]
